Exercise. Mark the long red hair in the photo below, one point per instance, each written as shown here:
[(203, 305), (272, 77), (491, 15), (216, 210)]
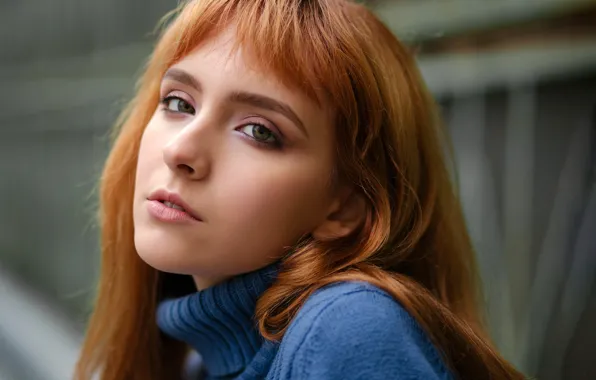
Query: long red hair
[(390, 145)]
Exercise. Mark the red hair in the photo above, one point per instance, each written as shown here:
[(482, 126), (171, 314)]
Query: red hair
[(413, 244)]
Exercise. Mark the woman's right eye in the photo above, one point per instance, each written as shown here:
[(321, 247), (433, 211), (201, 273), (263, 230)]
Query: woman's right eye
[(177, 105)]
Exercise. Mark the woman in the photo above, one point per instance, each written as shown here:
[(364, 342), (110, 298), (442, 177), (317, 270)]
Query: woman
[(277, 200)]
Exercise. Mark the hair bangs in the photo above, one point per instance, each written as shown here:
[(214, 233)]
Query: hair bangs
[(299, 41)]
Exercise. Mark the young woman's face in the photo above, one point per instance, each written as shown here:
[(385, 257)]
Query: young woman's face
[(248, 159)]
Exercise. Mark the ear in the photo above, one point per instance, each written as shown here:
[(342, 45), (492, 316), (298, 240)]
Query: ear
[(346, 213)]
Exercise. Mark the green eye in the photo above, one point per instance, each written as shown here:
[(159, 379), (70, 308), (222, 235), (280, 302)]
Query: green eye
[(176, 104), (260, 133)]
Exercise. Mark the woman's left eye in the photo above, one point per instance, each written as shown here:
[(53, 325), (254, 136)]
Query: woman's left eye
[(260, 133)]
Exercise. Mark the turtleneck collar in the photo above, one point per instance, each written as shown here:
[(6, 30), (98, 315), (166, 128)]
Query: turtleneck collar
[(218, 322)]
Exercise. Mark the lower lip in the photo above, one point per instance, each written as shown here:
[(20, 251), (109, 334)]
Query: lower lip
[(167, 214)]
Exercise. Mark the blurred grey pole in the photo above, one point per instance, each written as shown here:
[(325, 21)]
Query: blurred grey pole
[(518, 190), (479, 199), (580, 281), (36, 341), (576, 293), (552, 265)]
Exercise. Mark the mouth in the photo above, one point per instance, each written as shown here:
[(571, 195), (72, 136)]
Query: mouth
[(173, 201), (172, 205)]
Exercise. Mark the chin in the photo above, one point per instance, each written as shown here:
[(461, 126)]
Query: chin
[(164, 255)]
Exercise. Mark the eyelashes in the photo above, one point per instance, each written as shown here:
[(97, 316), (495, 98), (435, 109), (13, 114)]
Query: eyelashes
[(260, 134), (176, 104)]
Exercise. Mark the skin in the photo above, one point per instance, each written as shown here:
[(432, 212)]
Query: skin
[(257, 189)]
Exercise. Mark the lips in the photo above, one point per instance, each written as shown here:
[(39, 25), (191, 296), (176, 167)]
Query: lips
[(173, 201), (173, 205)]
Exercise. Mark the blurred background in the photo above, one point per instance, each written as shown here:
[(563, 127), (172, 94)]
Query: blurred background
[(517, 84)]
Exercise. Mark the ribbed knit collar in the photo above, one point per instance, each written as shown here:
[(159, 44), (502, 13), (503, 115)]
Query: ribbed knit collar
[(218, 322)]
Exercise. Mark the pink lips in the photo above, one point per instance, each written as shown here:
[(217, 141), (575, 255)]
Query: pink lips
[(158, 208)]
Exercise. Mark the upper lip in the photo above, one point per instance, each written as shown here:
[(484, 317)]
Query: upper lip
[(166, 196)]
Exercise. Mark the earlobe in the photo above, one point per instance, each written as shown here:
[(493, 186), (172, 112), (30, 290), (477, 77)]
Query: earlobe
[(346, 215)]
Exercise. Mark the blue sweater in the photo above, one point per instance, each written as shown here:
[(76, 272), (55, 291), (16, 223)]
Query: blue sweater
[(348, 330)]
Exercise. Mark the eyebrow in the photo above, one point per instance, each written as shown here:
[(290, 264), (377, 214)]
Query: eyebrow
[(264, 102), (255, 100), (183, 77)]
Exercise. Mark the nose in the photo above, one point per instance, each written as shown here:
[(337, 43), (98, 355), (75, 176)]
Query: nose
[(186, 154)]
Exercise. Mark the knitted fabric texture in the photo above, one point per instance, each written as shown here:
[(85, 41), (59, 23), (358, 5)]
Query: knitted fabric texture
[(347, 331)]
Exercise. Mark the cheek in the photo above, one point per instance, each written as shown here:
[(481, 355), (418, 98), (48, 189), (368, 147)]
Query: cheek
[(277, 202), (150, 157), (150, 154)]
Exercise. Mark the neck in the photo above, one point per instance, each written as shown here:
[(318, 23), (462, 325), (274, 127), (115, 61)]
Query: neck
[(218, 321), (204, 282)]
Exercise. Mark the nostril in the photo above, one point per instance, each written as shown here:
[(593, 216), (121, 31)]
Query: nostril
[(185, 168)]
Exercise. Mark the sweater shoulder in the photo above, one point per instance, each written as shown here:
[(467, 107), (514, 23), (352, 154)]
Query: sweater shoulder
[(356, 310), (353, 297), (356, 330)]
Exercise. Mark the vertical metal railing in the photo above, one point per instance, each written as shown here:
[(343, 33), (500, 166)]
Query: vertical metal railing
[(518, 191)]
